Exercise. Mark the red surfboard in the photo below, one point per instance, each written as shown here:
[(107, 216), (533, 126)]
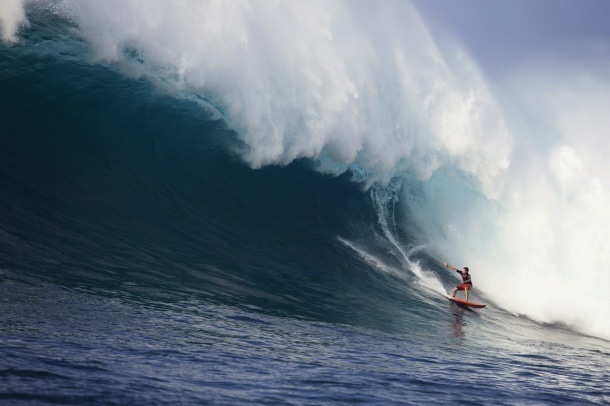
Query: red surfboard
[(465, 303)]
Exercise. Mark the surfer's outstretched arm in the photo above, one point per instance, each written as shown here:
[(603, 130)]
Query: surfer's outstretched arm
[(450, 266)]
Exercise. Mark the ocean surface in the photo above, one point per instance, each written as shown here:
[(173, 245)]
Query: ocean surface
[(147, 256)]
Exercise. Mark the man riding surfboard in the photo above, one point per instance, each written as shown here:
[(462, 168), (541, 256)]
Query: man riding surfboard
[(466, 284)]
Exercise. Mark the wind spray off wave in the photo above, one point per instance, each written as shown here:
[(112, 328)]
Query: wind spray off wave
[(357, 85), (542, 249)]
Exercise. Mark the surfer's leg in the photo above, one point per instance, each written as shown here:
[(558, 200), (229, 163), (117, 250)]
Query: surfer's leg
[(466, 290), (454, 291)]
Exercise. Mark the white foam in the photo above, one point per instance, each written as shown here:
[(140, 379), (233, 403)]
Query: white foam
[(542, 248), (12, 17)]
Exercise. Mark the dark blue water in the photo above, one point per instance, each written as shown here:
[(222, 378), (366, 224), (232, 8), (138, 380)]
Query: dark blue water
[(141, 261)]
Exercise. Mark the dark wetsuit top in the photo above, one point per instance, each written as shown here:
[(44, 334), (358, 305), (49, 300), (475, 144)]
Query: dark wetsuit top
[(465, 277)]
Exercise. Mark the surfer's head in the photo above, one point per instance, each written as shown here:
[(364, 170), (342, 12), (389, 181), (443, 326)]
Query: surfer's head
[(466, 269)]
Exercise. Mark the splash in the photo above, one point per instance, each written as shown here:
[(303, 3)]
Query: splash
[(12, 17), (385, 199), (542, 249)]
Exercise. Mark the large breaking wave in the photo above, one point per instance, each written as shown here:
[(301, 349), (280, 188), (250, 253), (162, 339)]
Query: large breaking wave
[(507, 178)]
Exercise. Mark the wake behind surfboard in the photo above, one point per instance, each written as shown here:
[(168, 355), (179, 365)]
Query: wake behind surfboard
[(465, 303)]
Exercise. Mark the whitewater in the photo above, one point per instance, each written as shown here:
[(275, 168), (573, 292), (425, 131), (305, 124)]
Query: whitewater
[(240, 174)]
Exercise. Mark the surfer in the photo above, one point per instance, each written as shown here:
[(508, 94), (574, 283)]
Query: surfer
[(466, 284)]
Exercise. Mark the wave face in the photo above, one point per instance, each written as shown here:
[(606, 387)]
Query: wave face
[(314, 162), (112, 185)]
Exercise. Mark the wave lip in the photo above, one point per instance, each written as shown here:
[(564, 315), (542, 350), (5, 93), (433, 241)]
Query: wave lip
[(312, 82)]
